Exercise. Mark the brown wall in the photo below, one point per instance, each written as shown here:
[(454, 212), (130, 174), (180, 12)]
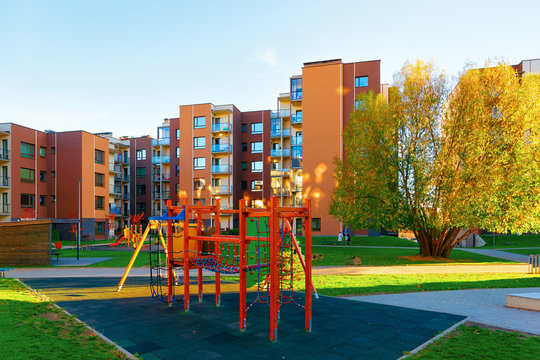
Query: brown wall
[(25, 243), (139, 144)]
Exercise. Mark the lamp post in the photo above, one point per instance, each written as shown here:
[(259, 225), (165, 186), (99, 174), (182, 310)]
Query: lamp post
[(79, 222)]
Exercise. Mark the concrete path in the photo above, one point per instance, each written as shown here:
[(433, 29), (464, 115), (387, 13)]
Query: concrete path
[(81, 262), (66, 272), (422, 269), (499, 254), (484, 306)]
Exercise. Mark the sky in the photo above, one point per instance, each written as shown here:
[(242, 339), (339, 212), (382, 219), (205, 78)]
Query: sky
[(124, 66)]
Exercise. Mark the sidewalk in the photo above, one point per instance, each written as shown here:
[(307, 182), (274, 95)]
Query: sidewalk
[(499, 254)]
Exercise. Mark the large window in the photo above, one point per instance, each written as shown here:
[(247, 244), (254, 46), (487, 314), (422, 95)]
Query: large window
[(256, 185), (141, 154), (296, 89), (256, 147), (100, 156), (140, 172), (316, 224), (196, 201), (27, 175), (199, 163), (27, 150), (256, 166), (141, 189), (27, 200), (199, 142), (256, 128), (100, 179), (141, 207), (100, 200), (361, 81), (199, 122), (199, 183), (100, 227)]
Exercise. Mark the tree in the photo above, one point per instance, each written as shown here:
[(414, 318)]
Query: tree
[(439, 162)]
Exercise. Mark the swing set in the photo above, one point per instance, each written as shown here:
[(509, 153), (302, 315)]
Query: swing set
[(268, 255)]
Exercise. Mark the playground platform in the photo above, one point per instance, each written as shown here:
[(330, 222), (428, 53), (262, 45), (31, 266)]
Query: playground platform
[(342, 329)]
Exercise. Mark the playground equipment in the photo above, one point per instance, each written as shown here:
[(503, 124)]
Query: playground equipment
[(269, 255)]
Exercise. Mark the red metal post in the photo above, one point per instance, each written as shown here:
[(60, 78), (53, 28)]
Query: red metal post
[(217, 231), (186, 254), (168, 256), (307, 269), (274, 280), (242, 263), (199, 250)]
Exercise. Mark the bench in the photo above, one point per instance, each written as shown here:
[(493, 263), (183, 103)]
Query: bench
[(3, 272), (56, 253)]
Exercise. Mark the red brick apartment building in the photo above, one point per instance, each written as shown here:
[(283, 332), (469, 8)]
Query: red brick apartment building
[(40, 175)]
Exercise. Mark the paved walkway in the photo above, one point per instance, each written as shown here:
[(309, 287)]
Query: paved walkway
[(499, 254), (38, 273), (484, 306)]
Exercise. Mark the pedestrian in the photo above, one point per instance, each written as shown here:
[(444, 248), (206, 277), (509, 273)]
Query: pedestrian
[(348, 237), (339, 238)]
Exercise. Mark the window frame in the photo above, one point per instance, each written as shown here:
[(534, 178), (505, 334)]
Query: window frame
[(99, 202), (97, 154), (31, 199), (32, 149), (42, 151), (359, 81), (140, 154), (255, 144), (197, 166), (140, 173), (197, 122), (314, 222), (256, 185), (254, 126), (254, 168), (30, 180), (199, 180), (96, 177), (197, 145)]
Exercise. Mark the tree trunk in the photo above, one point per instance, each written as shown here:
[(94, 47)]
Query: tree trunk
[(438, 242)]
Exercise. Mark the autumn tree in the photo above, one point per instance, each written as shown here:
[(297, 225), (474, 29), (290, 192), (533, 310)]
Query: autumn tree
[(442, 163)]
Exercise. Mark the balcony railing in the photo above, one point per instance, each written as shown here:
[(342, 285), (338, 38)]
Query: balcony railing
[(221, 190), (280, 113), (114, 210), (221, 169), (117, 158), (296, 141), (117, 177), (161, 177), (115, 190), (115, 167), (161, 159), (296, 187), (296, 118), (126, 160), (4, 154), (4, 181), (296, 95), (161, 142), (281, 191), (221, 148), (125, 178), (165, 195), (280, 133), (280, 172), (297, 203), (280, 152), (4, 209), (296, 163), (221, 127), (126, 195)]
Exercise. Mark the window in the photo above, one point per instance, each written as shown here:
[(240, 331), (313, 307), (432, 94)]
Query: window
[(42, 151), (244, 185), (296, 89), (53, 150), (256, 147), (27, 150), (42, 176), (141, 207), (27, 175), (141, 154), (198, 183), (100, 179), (358, 104), (316, 224), (100, 227), (177, 188), (256, 166), (99, 202), (100, 156), (178, 153), (141, 189), (199, 163), (256, 185), (244, 165), (199, 122), (196, 201), (361, 81), (27, 200), (42, 200), (177, 170), (177, 134), (53, 174), (244, 147), (163, 132), (53, 198), (141, 172), (244, 127), (199, 142), (256, 128)]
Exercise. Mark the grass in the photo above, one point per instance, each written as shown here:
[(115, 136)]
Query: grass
[(473, 342), (340, 256), (525, 251), (35, 329), (511, 241), (119, 258), (363, 241)]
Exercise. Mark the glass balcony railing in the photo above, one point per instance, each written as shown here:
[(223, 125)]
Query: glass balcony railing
[(280, 152), (221, 127), (281, 191), (165, 195), (280, 113), (161, 177), (280, 133), (4, 209), (296, 118), (114, 210), (126, 160), (117, 158), (221, 190), (117, 177), (280, 172), (4, 154), (4, 181), (115, 167), (161, 142), (221, 169), (125, 178), (296, 163), (221, 148), (296, 94), (296, 141), (296, 187), (161, 159)]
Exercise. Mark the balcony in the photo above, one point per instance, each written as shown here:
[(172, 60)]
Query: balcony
[(4, 209), (114, 210), (164, 195), (297, 203), (281, 191), (161, 159), (221, 127), (222, 190), (4, 181), (161, 142), (117, 158), (296, 118), (125, 160), (280, 113), (221, 169), (280, 152), (117, 189), (296, 95), (221, 148), (280, 172), (4, 155), (296, 187), (296, 141), (117, 177), (280, 133), (161, 177), (115, 168), (125, 213), (125, 178), (296, 163), (126, 195)]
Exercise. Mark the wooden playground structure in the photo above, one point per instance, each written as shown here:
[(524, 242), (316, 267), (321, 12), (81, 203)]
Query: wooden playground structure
[(267, 255)]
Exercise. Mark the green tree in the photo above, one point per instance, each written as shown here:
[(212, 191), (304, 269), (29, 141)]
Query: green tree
[(438, 162)]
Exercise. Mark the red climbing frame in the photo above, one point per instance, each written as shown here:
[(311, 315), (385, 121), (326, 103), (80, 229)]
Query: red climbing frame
[(213, 262)]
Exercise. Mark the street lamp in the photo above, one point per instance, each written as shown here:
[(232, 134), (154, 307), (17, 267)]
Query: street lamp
[(79, 222)]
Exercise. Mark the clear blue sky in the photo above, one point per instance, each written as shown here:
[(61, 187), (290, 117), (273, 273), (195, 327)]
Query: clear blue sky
[(123, 66)]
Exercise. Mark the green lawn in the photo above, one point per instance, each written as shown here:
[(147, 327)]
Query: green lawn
[(363, 241), (34, 329), (472, 342), (340, 256), (120, 258), (511, 241), (525, 251)]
